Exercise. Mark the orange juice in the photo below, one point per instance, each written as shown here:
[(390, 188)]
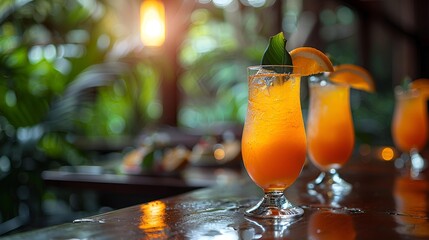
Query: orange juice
[(330, 130), (409, 127), (274, 143)]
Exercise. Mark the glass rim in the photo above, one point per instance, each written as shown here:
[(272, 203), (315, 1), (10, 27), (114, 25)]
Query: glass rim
[(399, 91), (271, 65), (280, 69), (324, 76)]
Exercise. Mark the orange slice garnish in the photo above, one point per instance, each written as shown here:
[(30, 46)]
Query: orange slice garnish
[(310, 61), (422, 85), (357, 77)]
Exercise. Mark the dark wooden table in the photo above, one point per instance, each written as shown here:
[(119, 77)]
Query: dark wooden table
[(386, 203), (119, 190), (190, 178)]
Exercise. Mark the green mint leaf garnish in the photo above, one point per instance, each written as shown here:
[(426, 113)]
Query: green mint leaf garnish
[(406, 83), (276, 53)]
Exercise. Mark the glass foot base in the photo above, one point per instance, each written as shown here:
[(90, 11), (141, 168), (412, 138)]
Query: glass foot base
[(274, 205), (329, 182)]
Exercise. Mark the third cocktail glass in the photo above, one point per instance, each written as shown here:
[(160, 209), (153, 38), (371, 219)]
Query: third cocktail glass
[(409, 126), (330, 133)]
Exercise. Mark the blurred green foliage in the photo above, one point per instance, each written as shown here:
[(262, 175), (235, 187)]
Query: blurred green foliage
[(215, 54), (62, 79)]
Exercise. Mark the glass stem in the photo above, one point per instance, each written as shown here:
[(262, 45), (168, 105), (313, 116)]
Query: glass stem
[(417, 162), (330, 181), (328, 177), (276, 199)]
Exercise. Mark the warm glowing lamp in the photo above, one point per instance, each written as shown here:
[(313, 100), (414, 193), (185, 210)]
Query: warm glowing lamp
[(152, 23)]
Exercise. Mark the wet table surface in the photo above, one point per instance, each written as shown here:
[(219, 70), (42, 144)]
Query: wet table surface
[(385, 203)]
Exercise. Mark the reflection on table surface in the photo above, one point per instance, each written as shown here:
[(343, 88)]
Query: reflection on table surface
[(331, 225), (412, 203), (386, 203)]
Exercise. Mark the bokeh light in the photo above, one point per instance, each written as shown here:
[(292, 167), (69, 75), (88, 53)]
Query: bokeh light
[(387, 154)]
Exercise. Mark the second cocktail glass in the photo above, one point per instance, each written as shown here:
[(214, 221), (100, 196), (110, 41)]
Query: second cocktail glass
[(274, 141), (330, 134)]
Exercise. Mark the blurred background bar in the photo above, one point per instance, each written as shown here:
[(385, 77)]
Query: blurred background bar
[(157, 89)]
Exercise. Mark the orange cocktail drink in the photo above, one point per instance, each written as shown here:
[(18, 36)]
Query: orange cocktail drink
[(274, 142), (330, 134), (409, 123), (409, 127), (330, 130)]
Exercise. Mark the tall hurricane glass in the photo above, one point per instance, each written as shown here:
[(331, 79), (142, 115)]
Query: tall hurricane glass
[(330, 134), (409, 126), (274, 141)]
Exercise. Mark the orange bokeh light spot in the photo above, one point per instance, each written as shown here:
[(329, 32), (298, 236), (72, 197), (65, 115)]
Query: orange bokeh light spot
[(387, 154)]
